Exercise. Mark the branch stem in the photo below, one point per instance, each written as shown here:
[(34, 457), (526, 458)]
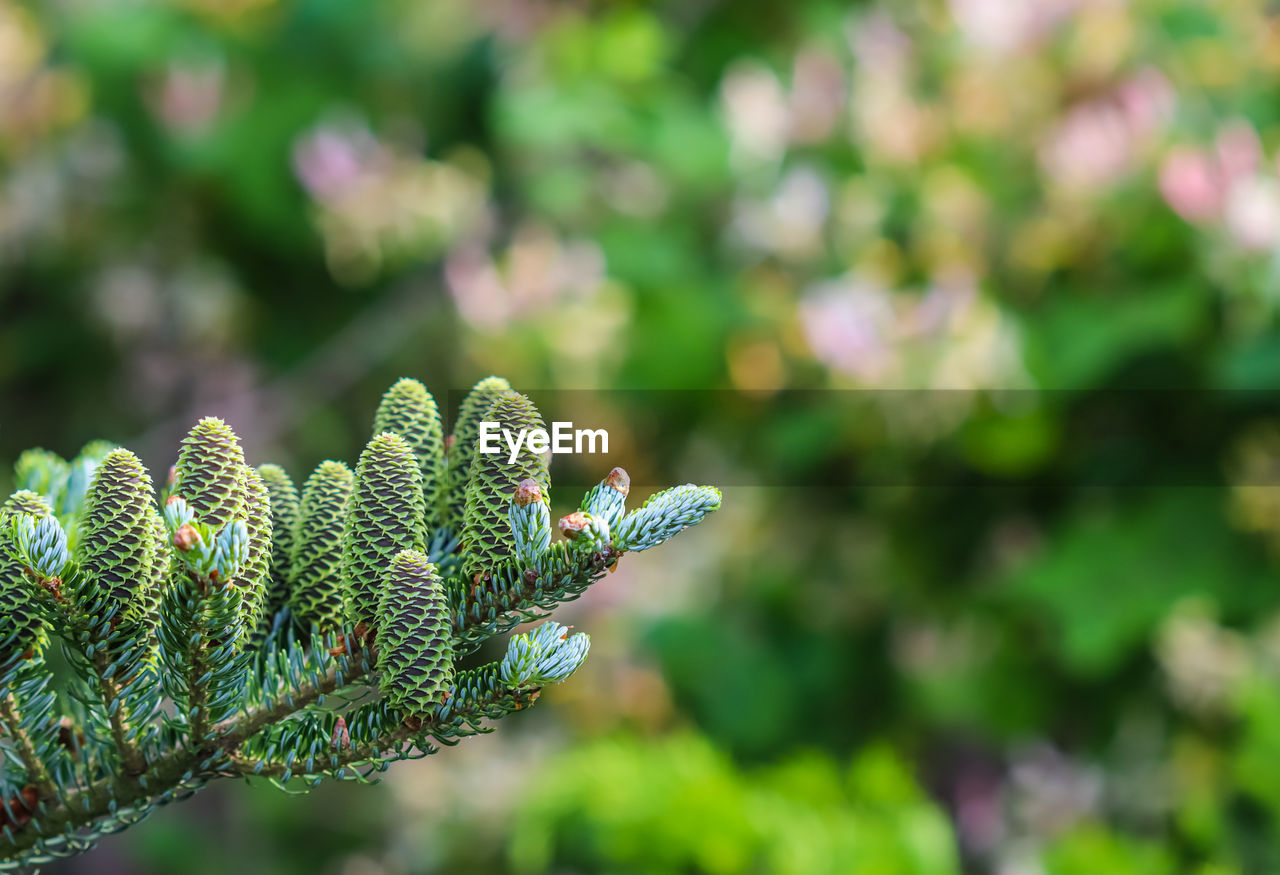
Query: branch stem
[(98, 800), (130, 756), (347, 756), (36, 771)]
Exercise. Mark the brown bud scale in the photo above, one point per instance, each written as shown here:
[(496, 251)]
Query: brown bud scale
[(527, 492), (573, 525), (186, 538), (620, 480)]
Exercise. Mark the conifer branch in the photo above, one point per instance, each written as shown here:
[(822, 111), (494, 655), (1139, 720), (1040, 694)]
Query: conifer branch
[(245, 629)]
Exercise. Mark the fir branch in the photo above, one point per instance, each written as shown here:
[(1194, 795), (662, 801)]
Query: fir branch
[(181, 767), (297, 637)]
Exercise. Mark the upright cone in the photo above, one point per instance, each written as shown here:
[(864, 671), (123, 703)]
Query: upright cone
[(461, 452), (384, 518), (415, 653), (117, 538), (316, 585), (486, 527)]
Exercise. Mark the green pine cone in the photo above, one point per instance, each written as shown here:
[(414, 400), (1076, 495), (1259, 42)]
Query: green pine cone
[(255, 577), (486, 527), (161, 556), (415, 651), (115, 549), (26, 501), (284, 522), (384, 519), (409, 410), (461, 448), (21, 628), (80, 474), (315, 590), (210, 473)]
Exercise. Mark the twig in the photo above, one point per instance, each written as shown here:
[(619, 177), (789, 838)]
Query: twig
[(36, 771), (132, 759)]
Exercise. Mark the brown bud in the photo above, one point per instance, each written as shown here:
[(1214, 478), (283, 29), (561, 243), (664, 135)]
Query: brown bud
[(414, 723), (620, 480), (171, 499), (531, 576), (23, 805), (527, 493), (341, 737), (574, 524), (186, 538), (173, 476)]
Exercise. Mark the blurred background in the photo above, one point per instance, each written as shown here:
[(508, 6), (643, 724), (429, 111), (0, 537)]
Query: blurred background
[(971, 305)]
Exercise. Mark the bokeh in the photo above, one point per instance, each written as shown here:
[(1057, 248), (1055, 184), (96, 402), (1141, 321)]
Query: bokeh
[(971, 305)]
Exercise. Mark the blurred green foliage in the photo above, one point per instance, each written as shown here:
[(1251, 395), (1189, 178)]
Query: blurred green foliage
[(679, 805)]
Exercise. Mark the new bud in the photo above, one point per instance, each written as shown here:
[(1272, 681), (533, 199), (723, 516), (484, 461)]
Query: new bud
[(585, 530), (530, 520), (527, 492), (666, 514), (548, 654), (573, 525), (620, 480), (42, 543), (186, 538), (607, 500)]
